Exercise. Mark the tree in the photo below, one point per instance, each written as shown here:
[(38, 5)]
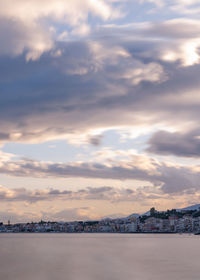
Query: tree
[(152, 211)]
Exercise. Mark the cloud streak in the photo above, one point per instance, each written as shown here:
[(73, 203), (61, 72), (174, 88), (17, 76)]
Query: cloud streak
[(171, 178), (90, 193)]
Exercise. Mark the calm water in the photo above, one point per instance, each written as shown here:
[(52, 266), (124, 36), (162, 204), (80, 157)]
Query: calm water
[(99, 257)]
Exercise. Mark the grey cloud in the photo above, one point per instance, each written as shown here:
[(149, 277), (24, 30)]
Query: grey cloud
[(18, 38), (84, 170), (44, 99), (52, 98), (95, 140), (178, 144), (171, 29), (179, 179), (4, 136), (100, 189)]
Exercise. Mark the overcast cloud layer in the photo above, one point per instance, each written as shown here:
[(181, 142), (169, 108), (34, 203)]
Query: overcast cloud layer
[(74, 70)]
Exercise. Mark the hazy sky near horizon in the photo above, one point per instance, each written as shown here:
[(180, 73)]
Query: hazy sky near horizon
[(99, 107)]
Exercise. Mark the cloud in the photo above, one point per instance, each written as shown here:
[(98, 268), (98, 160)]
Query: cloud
[(109, 194), (175, 143), (105, 193), (72, 70), (31, 26), (183, 7), (166, 40), (146, 196), (17, 38), (98, 83), (70, 214), (117, 78), (95, 140), (171, 178), (12, 216), (66, 215), (121, 76), (73, 92), (191, 7), (69, 11)]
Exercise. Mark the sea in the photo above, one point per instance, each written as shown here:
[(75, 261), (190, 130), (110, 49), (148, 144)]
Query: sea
[(93, 256)]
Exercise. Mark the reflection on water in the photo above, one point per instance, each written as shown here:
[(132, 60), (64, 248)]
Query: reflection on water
[(99, 257)]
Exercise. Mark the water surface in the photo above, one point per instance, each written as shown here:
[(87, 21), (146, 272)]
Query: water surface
[(99, 257)]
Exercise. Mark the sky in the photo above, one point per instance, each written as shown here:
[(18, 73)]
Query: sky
[(99, 108)]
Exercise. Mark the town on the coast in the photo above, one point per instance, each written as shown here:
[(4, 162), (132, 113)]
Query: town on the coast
[(170, 221)]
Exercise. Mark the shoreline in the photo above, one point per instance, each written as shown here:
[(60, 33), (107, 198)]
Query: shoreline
[(148, 233)]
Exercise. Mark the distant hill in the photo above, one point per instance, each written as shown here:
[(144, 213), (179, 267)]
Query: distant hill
[(193, 207), (146, 213), (133, 216)]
